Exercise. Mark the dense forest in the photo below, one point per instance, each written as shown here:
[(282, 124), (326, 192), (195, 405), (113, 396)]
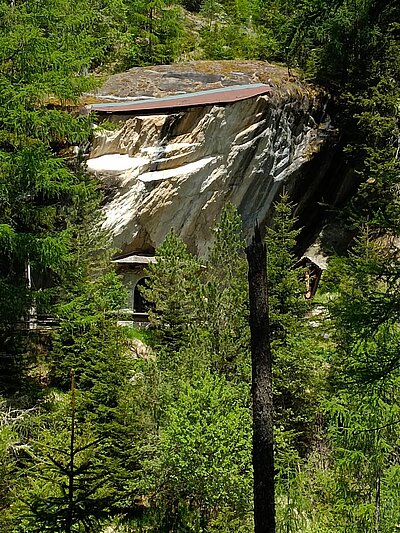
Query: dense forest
[(112, 429)]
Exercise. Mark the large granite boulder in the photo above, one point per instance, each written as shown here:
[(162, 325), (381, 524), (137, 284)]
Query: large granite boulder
[(178, 169)]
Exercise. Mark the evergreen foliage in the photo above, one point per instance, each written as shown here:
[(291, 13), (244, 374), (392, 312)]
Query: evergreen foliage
[(295, 350), (174, 284), (225, 298), (162, 443), (214, 344), (40, 195), (53, 464), (205, 471), (154, 32)]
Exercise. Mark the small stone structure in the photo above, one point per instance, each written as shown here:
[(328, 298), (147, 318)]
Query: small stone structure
[(312, 275), (132, 268)]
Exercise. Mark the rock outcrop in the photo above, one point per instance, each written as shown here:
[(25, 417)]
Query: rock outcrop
[(177, 170)]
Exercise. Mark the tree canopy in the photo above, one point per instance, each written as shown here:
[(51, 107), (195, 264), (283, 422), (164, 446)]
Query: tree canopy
[(104, 426)]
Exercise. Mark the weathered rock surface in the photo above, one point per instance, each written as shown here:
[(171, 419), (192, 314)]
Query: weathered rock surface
[(140, 350), (165, 80), (178, 170)]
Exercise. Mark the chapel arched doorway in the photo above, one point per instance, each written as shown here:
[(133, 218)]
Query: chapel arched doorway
[(140, 304)]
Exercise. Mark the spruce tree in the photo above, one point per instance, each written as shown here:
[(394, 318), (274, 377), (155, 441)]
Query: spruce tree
[(173, 286), (154, 32), (294, 346), (46, 48), (225, 297)]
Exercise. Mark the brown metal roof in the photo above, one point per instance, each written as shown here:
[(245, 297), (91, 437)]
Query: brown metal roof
[(225, 95)]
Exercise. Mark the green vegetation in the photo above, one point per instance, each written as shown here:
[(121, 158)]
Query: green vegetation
[(162, 443)]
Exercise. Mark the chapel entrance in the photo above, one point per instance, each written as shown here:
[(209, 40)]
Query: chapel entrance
[(140, 304)]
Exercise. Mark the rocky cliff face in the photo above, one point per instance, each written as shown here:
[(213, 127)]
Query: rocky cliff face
[(178, 170)]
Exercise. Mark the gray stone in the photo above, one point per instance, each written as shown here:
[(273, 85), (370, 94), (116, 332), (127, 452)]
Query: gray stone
[(177, 171)]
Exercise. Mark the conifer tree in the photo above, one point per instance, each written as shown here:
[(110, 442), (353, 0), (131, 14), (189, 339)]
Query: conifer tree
[(294, 347), (154, 30), (47, 204), (84, 449), (364, 414), (225, 297), (46, 47), (285, 287), (173, 286), (62, 485)]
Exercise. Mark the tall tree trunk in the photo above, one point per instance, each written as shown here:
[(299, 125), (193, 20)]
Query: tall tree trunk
[(377, 501), (71, 466), (263, 453)]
